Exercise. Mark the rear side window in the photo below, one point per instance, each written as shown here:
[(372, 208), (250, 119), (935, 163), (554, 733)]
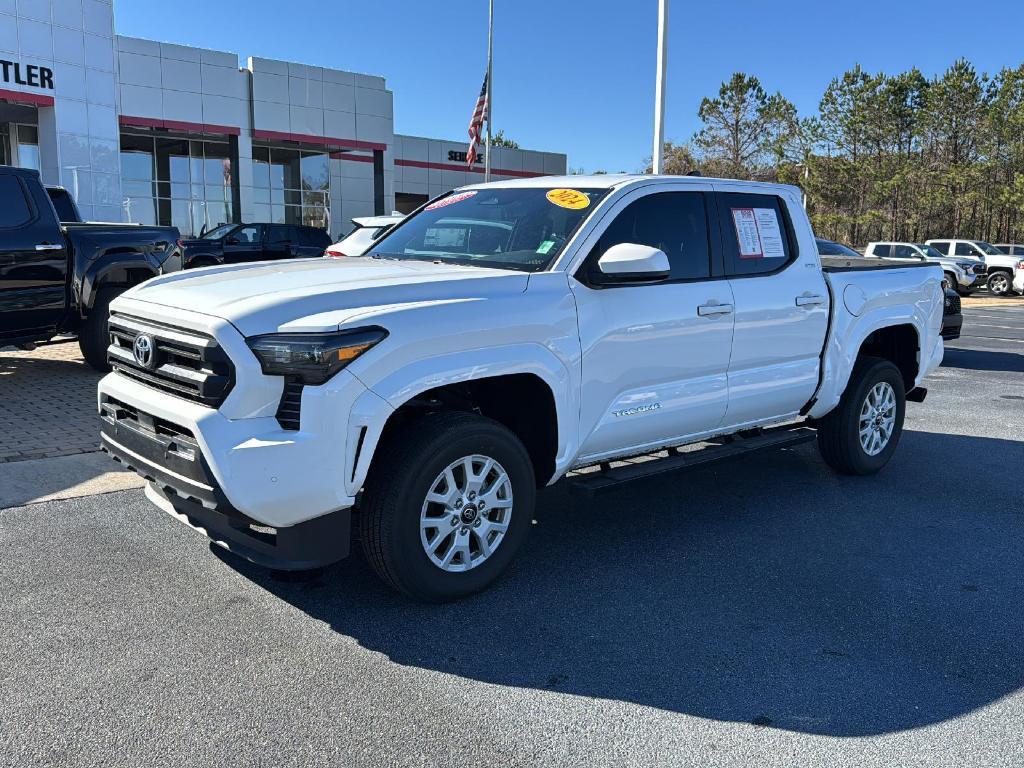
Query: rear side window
[(756, 233), (882, 251), (673, 222), (279, 233), (942, 246), (14, 207)]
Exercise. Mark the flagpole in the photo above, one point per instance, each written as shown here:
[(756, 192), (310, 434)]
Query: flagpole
[(490, 89), (659, 88)]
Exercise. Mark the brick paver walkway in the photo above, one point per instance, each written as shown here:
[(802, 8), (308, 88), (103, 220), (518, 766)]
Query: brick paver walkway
[(47, 403)]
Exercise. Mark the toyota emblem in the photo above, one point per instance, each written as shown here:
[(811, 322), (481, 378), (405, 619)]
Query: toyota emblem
[(142, 349)]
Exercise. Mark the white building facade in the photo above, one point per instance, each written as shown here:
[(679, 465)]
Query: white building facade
[(155, 132)]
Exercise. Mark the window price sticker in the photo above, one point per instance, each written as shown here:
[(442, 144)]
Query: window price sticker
[(758, 233)]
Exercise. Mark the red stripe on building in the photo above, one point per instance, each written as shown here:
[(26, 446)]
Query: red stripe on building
[(179, 125), (473, 169), (350, 156), (20, 97), (328, 141)]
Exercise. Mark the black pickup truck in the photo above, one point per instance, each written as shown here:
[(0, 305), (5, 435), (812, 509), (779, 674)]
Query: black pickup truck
[(59, 278)]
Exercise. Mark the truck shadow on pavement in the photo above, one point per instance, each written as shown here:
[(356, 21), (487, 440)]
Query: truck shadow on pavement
[(982, 360), (769, 591)]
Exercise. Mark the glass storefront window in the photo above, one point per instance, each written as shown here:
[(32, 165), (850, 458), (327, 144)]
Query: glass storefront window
[(28, 146), (291, 186), (178, 182)]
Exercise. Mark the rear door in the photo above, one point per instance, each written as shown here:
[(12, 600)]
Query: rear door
[(281, 241), (33, 259), (244, 244), (782, 306)]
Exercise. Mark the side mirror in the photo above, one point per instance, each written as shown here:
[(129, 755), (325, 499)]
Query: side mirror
[(631, 263)]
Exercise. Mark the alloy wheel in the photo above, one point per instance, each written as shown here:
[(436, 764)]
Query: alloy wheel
[(466, 513), (877, 418)]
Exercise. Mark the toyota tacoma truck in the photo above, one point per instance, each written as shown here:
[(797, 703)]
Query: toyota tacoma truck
[(506, 336), (59, 277)]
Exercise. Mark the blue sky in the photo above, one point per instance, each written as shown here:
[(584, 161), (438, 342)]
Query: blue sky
[(578, 77)]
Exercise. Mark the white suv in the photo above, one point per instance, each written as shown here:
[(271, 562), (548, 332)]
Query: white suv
[(962, 272), (998, 266)]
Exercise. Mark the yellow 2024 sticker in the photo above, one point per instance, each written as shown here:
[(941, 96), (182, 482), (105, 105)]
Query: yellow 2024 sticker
[(568, 198)]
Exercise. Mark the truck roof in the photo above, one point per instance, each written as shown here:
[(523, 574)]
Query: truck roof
[(617, 180)]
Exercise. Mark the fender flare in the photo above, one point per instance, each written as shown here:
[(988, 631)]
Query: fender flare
[(119, 267), (373, 409)]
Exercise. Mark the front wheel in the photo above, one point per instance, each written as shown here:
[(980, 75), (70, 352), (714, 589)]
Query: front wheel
[(448, 502), (1000, 284), (859, 436)]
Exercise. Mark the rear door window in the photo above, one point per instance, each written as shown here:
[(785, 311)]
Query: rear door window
[(756, 233), (14, 206)]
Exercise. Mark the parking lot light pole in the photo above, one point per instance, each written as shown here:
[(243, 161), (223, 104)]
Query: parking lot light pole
[(659, 88)]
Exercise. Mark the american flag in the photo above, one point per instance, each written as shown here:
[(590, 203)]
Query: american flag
[(476, 123)]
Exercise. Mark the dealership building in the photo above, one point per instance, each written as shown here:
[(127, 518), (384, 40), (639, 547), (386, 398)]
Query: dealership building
[(153, 132)]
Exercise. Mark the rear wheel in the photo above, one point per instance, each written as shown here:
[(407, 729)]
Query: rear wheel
[(447, 504), (1000, 284), (860, 435), (94, 336)]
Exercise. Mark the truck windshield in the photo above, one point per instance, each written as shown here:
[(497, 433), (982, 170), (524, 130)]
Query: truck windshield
[(504, 228), (218, 232), (929, 252), (988, 250)]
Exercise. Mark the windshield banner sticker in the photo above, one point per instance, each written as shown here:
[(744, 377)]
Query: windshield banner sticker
[(450, 200), (568, 198), (758, 233)]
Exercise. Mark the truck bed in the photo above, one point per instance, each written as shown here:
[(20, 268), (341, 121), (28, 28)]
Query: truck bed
[(843, 264)]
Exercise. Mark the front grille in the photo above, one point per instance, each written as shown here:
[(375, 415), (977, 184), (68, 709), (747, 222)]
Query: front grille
[(952, 305), (183, 363), (289, 409), (980, 269)]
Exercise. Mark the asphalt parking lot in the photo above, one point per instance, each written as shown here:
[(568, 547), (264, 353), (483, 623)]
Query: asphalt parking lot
[(761, 612)]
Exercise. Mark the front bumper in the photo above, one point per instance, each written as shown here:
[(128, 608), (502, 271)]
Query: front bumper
[(951, 325), (183, 485)]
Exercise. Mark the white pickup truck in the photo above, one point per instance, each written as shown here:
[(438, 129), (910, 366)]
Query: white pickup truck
[(505, 336)]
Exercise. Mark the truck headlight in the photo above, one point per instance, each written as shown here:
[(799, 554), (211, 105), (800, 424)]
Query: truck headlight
[(312, 357)]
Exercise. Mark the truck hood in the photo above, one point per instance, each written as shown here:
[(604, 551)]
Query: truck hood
[(265, 297)]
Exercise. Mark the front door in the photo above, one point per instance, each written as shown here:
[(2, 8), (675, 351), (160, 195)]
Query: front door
[(33, 261), (655, 357), (244, 244), (782, 307)]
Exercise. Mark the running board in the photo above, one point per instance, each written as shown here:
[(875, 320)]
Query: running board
[(591, 480)]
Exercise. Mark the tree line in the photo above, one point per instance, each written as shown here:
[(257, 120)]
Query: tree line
[(887, 157)]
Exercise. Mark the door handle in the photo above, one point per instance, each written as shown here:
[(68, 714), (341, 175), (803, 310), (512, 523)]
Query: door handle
[(49, 247), (706, 310), (809, 301)]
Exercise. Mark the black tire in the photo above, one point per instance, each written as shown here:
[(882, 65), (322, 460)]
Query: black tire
[(93, 335), (951, 281), (403, 471), (839, 431), (1000, 283)]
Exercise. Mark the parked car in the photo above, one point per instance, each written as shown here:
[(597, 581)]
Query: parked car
[(952, 316), (367, 229), (998, 266), (962, 272), (238, 243), (442, 382), (59, 278), (64, 204), (832, 248)]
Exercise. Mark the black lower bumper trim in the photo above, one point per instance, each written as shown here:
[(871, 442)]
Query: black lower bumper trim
[(311, 544)]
